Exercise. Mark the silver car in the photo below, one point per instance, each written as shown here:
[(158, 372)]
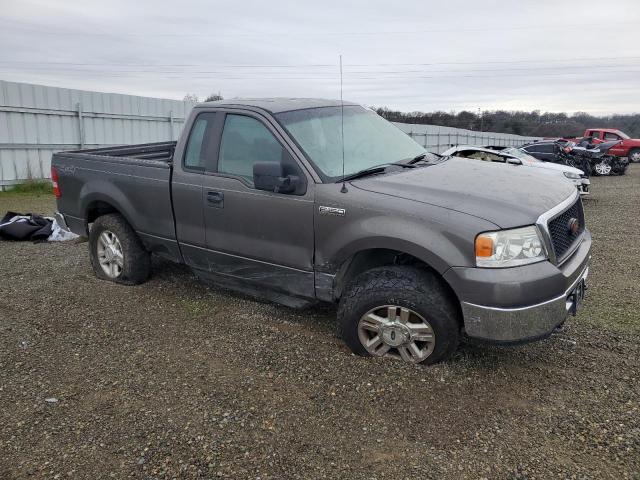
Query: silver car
[(514, 156)]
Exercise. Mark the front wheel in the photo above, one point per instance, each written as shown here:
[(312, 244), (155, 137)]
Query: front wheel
[(603, 168), (634, 155), (116, 252), (400, 312)]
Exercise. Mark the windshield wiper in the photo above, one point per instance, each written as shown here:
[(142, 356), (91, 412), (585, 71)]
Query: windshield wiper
[(373, 170), (415, 159), (427, 157)]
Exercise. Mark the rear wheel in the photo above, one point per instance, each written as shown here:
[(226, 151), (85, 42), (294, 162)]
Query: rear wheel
[(634, 155), (400, 312), (116, 252)]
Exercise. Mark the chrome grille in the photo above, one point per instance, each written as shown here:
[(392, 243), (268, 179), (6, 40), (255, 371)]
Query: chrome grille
[(562, 239)]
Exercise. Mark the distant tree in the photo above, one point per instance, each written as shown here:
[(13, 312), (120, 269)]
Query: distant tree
[(191, 97), (535, 123), (214, 97)]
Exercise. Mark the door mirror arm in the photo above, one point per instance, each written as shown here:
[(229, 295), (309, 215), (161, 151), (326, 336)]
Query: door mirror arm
[(270, 177), (287, 184)]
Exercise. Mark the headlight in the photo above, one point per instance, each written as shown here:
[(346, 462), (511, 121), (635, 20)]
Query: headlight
[(509, 248), (572, 175)]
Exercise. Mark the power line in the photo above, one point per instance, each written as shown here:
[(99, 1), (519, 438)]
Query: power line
[(454, 30), (354, 77), (321, 65), (536, 68)]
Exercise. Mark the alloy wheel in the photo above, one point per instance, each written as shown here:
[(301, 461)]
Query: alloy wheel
[(395, 331), (603, 168), (110, 254)]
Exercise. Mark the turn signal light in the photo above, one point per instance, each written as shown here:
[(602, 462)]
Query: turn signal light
[(484, 246)]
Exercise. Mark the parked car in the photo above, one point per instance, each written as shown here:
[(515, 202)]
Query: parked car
[(558, 151), (599, 158), (628, 147), (547, 150), (515, 156), (264, 197)]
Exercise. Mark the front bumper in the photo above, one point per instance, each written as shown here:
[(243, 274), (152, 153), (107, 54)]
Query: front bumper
[(520, 304)]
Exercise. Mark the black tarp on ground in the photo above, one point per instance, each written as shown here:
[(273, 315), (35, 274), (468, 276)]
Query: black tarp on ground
[(17, 226)]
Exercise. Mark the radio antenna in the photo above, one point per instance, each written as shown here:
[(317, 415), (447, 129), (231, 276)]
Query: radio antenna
[(344, 185)]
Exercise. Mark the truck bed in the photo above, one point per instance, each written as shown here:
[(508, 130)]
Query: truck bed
[(133, 180)]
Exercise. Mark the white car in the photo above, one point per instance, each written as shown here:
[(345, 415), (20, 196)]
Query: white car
[(518, 157)]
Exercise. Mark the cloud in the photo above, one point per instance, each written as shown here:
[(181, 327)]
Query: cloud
[(409, 55)]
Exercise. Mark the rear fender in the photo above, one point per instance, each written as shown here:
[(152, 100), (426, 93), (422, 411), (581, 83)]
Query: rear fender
[(102, 191)]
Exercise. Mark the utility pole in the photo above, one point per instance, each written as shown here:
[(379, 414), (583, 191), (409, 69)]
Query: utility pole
[(481, 115)]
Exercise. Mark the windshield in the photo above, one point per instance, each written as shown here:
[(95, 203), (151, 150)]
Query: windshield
[(520, 154), (369, 140)]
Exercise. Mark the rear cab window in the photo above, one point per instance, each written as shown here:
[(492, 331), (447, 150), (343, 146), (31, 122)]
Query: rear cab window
[(201, 145)]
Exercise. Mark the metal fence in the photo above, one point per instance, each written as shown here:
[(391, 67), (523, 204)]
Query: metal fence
[(437, 139), (36, 121)]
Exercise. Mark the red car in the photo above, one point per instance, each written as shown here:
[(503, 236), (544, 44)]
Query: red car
[(630, 147)]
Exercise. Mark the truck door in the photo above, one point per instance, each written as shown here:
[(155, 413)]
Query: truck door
[(263, 238), (595, 135), (619, 150), (194, 152)]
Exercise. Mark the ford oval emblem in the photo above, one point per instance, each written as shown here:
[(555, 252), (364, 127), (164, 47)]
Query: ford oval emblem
[(573, 225)]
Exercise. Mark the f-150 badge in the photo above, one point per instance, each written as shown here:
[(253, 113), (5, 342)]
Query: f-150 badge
[(332, 211)]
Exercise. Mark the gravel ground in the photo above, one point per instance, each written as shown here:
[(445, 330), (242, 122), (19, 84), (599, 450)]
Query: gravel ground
[(174, 379)]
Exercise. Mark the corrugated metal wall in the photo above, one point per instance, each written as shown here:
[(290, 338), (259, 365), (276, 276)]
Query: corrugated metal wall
[(437, 139), (36, 121)]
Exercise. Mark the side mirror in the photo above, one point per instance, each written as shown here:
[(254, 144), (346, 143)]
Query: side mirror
[(514, 161), (270, 176)]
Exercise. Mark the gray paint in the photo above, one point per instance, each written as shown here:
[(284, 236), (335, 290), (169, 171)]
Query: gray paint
[(284, 244), (504, 195)]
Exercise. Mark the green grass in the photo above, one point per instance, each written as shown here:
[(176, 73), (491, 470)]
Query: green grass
[(33, 187)]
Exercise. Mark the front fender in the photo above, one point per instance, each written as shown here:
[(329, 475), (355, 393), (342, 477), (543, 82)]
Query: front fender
[(439, 237)]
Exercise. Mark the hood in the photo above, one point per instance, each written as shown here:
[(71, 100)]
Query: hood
[(552, 166), (506, 195)]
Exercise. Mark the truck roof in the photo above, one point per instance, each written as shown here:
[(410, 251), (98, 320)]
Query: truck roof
[(277, 105)]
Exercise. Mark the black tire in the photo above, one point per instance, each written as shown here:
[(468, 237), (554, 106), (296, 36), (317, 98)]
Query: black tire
[(136, 260), (632, 152), (417, 289)]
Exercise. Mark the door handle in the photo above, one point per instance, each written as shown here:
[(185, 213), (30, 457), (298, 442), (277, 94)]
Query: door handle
[(215, 199)]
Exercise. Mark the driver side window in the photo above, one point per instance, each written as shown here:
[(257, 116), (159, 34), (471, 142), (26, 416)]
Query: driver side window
[(244, 142)]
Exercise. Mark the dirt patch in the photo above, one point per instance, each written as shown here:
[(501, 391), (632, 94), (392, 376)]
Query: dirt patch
[(176, 379)]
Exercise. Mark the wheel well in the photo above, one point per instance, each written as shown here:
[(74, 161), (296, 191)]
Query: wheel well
[(380, 257), (98, 209)]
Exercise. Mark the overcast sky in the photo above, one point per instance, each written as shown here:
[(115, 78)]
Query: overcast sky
[(447, 55)]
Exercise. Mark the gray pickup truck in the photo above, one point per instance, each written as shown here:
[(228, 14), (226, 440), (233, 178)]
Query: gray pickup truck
[(264, 197)]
